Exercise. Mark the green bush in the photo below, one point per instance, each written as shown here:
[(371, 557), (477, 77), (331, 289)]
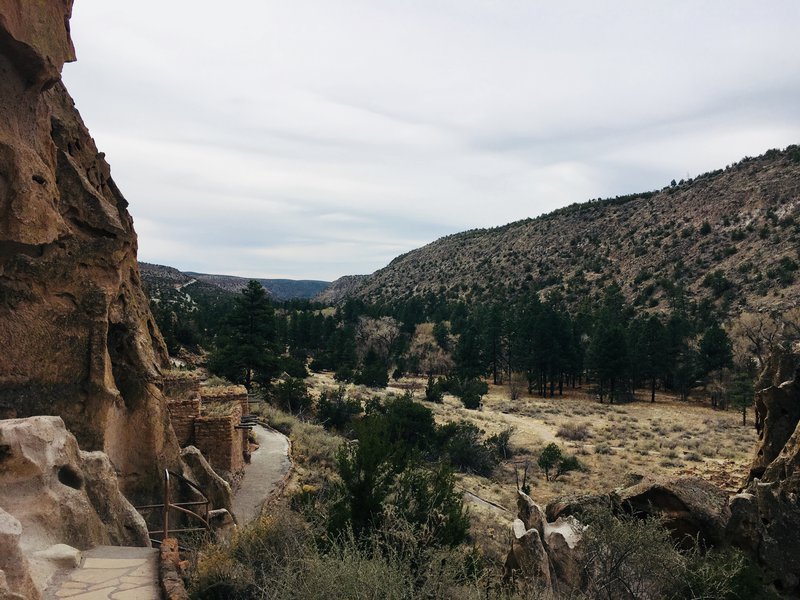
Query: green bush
[(434, 391), (293, 367), (292, 395), (470, 391), (334, 410), (554, 463), (500, 443), (461, 442)]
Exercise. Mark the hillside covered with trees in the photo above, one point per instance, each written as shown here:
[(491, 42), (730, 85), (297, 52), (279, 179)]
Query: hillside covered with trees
[(728, 238)]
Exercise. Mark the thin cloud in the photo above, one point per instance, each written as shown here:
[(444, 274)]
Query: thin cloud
[(313, 139)]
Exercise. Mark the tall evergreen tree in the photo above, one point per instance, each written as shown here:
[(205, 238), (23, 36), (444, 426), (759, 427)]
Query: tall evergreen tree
[(715, 349), (246, 351), (649, 346)]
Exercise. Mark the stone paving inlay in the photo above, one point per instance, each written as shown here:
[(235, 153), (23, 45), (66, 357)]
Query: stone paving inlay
[(112, 573)]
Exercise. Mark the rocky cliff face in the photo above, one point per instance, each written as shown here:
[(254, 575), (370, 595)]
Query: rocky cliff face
[(77, 336)]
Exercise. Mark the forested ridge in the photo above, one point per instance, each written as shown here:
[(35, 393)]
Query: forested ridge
[(728, 237)]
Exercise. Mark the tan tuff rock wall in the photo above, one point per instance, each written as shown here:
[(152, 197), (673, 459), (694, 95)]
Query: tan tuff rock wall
[(76, 332)]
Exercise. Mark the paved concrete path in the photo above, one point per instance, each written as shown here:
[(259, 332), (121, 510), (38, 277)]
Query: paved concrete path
[(267, 467), (111, 573)]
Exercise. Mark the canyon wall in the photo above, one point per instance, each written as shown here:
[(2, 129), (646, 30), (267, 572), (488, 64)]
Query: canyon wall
[(78, 340)]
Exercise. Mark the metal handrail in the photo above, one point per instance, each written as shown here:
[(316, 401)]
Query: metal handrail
[(168, 505)]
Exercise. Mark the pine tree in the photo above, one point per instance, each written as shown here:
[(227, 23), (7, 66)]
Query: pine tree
[(246, 350)]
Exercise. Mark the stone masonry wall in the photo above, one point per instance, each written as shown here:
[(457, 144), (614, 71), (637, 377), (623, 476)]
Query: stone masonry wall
[(221, 443), (182, 414), (178, 385), (229, 393)]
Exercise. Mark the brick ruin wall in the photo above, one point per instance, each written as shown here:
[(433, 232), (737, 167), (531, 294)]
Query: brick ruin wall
[(206, 417), (179, 385), (230, 393), (182, 414), (216, 436)]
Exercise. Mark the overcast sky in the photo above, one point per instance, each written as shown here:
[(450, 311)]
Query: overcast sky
[(311, 139)]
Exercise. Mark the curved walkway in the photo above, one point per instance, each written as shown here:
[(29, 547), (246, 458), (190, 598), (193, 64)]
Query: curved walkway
[(266, 470)]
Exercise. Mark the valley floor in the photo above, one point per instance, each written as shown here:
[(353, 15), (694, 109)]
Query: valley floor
[(616, 443)]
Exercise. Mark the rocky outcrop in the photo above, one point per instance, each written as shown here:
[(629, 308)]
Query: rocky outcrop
[(15, 577), (691, 508), (777, 405), (57, 494), (547, 554), (215, 487), (77, 335), (765, 518)]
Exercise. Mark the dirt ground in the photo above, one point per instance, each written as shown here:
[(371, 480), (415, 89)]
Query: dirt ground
[(615, 443)]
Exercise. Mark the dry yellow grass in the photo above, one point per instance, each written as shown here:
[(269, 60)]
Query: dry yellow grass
[(666, 438)]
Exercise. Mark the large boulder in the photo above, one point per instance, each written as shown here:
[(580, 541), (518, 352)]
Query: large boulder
[(690, 507), (765, 518), (77, 334), (563, 542), (777, 407), (60, 495), (576, 506), (198, 470), (528, 557)]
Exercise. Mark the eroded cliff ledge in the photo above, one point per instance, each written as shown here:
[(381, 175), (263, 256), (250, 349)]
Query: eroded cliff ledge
[(76, 333)]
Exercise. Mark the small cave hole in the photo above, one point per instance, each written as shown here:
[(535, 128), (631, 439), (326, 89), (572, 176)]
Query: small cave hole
[(70, 477), (5, 452), (39, 179)]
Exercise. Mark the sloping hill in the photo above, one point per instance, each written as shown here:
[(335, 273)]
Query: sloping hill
[(731, 236), (340, 289), (160, 277), (279, 289)]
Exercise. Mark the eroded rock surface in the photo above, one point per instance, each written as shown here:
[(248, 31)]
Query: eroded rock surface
[(15, 576), (215, 487), (765, 519), (548, 554), (58, 494), (77, 335), (690, 507)]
